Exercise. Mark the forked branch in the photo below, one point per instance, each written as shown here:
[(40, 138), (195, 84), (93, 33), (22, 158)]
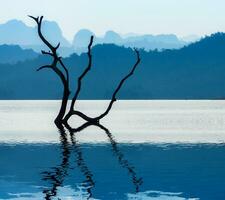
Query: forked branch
[(63, 74), (56, 59), (83, 74), (113, 99)]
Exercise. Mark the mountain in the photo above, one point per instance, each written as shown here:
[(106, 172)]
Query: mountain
[(151, 42), (112, 37), (81, 40), (196, 71), (54, 34), (14, 53), (147, 42), (17, 33)]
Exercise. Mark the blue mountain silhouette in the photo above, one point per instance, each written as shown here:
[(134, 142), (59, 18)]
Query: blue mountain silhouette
[(81, 40), (18, 33), (196, 71), (14, 53), (147, 42)]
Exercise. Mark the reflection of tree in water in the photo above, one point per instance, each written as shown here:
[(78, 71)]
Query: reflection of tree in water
[(123, 162), (88, 183), (58, 174)]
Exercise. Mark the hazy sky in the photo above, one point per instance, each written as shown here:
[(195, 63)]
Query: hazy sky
[(182, 17)]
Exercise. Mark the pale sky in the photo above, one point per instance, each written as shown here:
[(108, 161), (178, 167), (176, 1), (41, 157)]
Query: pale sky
[(181, 17)]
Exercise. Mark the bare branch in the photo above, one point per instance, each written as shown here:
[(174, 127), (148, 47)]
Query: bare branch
[(83, 74), (64, 67), (64, 79), (57, 46), (53, 49), (46, 53), (63, 74), (78, 129), (80, 114), (95, 120), (113, 99), (39, 23), (36, 19), (66, 93)]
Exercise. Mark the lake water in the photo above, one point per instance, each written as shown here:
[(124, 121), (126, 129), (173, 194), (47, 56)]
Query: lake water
[(157, 150)]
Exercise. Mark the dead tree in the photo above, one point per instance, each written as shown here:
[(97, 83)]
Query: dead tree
[(61, 71)]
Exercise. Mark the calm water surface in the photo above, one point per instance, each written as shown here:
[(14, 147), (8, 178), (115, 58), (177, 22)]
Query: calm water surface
[(158, 150)]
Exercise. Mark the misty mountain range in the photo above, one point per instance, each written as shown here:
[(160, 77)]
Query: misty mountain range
[(196, 71), (18, 33), (147, 42)]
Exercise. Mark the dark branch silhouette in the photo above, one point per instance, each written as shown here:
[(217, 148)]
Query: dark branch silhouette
[(57, 176), (83, 74), (56, 59), (63, 74), (79, 82), (113, 99)]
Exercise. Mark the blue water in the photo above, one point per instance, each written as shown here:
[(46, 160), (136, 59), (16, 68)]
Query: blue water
[(112, 171), (148, 150)]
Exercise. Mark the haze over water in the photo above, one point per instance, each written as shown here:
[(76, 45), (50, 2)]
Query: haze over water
[(130, 121)]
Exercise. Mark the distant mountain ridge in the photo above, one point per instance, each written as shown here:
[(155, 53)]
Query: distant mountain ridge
[(16, 32), (196, 71), (147, 42)]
